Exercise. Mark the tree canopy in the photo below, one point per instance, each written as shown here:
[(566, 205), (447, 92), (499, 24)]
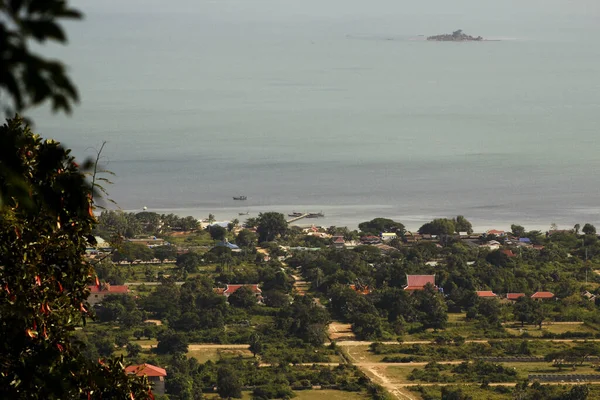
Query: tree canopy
[(270, 225), (44, 277), (379, 225)]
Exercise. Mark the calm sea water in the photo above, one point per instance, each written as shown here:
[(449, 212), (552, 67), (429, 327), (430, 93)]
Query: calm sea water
[(340, 106)]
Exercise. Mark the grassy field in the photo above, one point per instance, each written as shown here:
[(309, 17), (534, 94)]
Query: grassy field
[(533, 330), (309, 395), (205, 355)]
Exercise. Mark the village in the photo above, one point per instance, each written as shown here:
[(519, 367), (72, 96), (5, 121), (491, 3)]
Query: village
[(379, 295)]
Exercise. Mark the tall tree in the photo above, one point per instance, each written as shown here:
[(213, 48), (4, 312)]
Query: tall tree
[(439, 226), (229, 384), (379, 225), (589, 229), (270, 225), (461, 224), (46, 221)]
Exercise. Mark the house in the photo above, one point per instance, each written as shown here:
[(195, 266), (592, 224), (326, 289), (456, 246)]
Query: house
[(589, 296), (418, 282), (387, 236), (508, 253), (360, 289), (155, 375), (385, 248), (150, 242), (514, 296), (233, 247), (525, 240), (492, 245), (370, 239), (230, 289), (338, 242), (97, 294), (543, 296), (486, 294), (495, 232)]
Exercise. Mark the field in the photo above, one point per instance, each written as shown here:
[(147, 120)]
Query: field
[(213, 354), (309, 395)]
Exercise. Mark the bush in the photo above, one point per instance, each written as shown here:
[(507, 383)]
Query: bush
[(273, 391)]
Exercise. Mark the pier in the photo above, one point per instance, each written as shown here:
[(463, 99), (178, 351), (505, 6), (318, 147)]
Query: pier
[(289, 221)]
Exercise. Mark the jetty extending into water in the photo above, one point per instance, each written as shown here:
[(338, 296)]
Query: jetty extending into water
[(298, 218)]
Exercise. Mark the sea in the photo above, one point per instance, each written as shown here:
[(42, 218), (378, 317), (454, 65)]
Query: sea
[(340, 107)]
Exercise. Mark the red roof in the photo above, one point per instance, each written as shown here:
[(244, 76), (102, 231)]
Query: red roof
[(495, 232), (233, 288), (109, 289), (486, 293), (146, 370), (508, 253), (542, 295), (514, 296), (338, 240), (417, 282)]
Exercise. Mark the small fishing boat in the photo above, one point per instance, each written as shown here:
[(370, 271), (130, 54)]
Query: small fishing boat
[(240, 198)]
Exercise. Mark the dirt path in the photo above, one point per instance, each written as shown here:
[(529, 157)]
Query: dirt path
[(383, 380), (195, 347)]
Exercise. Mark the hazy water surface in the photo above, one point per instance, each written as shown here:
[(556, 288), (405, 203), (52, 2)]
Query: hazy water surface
[(339, 106)]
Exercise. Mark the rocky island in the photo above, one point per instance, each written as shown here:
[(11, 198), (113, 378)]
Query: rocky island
[(456, 36)]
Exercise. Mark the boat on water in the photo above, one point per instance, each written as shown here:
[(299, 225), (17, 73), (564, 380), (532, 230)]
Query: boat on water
[(246, 213), (240, 197), (315, 215), (295, 214)]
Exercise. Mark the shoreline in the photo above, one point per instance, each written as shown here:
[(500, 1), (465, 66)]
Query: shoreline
[(351, 216)]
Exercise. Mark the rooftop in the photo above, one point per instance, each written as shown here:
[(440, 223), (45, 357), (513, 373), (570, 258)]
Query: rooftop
[(146, 370), (109, 289), (486, 293), (417, 282), (542, 295)]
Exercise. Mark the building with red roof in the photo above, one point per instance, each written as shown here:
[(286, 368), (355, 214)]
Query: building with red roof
[(97, 294), (488, 294), (508, 253), (514, 296), (156, 375), (496, 232), (542, 296), (418, 282), (230, 289)]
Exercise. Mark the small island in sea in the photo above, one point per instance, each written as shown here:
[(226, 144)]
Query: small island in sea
[(456, 36)]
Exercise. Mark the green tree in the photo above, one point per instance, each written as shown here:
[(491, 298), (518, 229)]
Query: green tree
[(46, 221), (367, 326), (304, 319), (256, 343), (526, 310), (217, 232), (576, 228), (244, 297), (517, 230), (229, 384), (189, 261), (133, 350), (171, 342), (270, 225), (431, 307), (379, 225), (132, 252), (461, 224), (439, 226), (165, 252), (589, 229), (246, 238)]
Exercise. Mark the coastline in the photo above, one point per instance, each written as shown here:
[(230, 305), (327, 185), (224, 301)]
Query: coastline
[(351, 216)]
